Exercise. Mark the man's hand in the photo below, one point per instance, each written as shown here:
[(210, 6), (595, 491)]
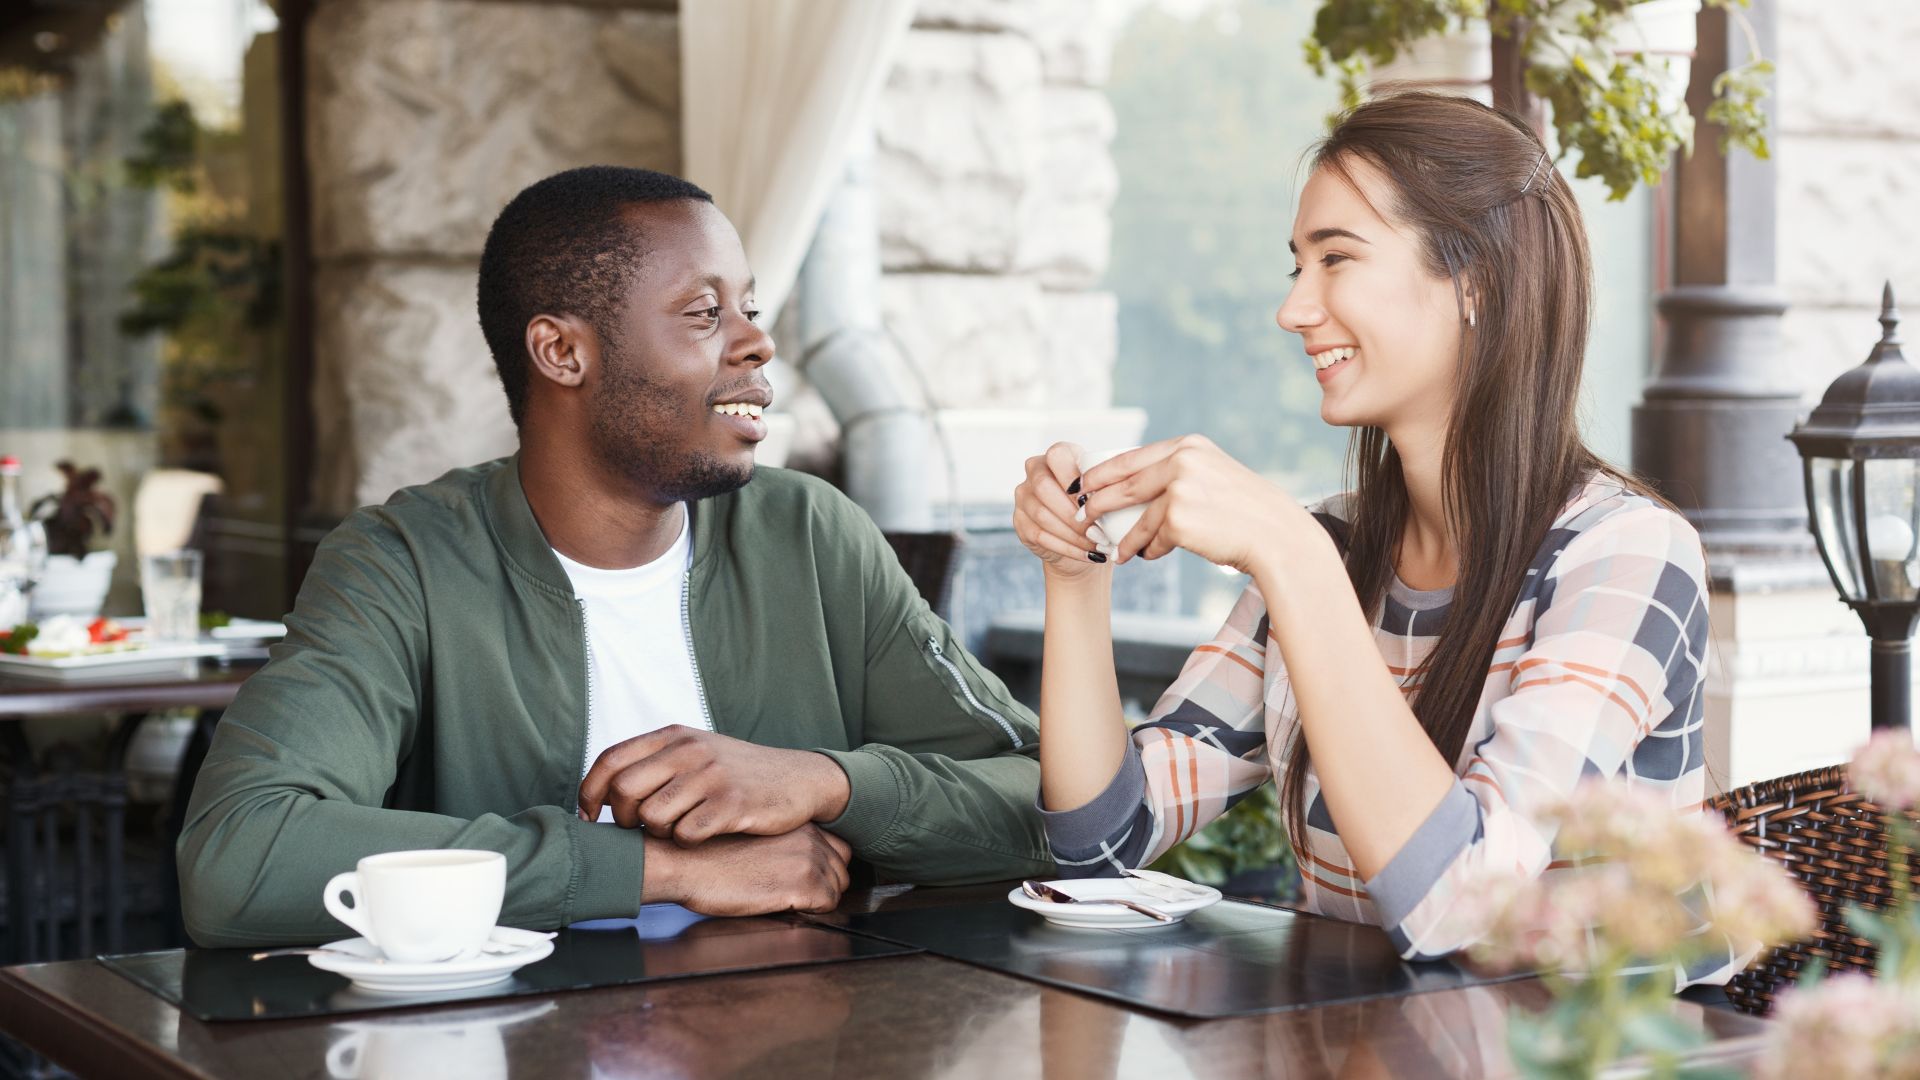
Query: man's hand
[(692, 786), (803, 870)]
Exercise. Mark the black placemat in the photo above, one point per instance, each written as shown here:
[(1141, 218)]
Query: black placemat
[(1232, 959), (223, 984)]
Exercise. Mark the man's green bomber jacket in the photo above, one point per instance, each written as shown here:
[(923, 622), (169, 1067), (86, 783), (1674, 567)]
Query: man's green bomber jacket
[(432, 692)]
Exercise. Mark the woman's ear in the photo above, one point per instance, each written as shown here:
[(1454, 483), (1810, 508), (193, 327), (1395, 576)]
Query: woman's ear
[(1470, 304), (561, 348)]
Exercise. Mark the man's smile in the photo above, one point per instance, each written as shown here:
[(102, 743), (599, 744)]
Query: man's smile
[(743, 419)]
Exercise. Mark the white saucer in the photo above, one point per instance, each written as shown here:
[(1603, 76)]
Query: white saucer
[(369, 970), (1111, 916)]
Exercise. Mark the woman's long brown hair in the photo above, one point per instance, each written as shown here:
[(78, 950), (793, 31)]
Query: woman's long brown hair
[(1496, 219)]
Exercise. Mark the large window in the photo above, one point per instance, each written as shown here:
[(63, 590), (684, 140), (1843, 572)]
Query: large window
[(1215, 109), (141, 291)]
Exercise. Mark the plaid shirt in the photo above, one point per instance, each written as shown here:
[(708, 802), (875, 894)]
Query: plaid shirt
[(1599, 670)]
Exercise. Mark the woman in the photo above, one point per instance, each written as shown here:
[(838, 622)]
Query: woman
[(1443, 290)]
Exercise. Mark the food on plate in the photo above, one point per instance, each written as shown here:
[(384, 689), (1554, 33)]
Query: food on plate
[(14, 642), (66, 635)]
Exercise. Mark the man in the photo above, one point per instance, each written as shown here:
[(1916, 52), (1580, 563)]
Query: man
[(611, 657)]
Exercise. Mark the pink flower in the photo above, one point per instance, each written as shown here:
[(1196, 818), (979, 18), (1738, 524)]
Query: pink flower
[(1639, 861), (1887, 770), (1849, 1026)]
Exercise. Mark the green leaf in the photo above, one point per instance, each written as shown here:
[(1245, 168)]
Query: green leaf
[(1605, 109), (14, 641), (1661, 1032), (1540, 1048), (1710, 1072), (1875, 927), (1250, 836)]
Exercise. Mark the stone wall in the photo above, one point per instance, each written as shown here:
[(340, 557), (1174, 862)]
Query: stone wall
[(1849, 174), (995, 184), (425, 116)]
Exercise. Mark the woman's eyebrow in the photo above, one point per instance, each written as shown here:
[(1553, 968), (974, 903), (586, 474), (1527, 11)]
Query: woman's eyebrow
[(1321, 236)]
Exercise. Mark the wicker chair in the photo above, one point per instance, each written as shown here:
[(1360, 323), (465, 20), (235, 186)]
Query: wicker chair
[(1833, 842)]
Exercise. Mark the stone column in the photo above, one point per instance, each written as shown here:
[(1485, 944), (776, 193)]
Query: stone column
[(33, 266), (114, 231), (1816, 228), (1710, 430)]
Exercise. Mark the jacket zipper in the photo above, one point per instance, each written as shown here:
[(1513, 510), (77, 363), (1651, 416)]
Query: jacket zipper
[(686, 628), (586, 640), (933, 647)]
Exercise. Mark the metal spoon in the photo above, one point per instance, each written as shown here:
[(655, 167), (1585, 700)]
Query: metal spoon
[(317, 950), (491, 948), (1040, 890)]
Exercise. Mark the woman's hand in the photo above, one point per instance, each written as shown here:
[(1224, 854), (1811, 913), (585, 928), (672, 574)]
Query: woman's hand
[(1198, 498), (1044, 512)]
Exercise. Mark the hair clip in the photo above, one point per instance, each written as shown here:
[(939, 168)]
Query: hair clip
[(1534, 173)]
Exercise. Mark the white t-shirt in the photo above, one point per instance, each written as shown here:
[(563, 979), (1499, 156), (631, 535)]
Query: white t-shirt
[(640, 673)]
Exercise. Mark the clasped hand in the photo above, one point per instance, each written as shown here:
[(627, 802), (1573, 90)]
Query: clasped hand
[(735, 823), (1196, 496), (689, 786)]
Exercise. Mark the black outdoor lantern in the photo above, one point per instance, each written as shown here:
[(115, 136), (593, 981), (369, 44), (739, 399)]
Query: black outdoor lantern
[(1861, 453)]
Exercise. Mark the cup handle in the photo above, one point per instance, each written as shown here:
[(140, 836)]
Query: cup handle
[(355, 916), (343, 1057)]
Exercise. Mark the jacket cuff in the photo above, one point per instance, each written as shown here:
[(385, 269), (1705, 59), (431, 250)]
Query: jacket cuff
[(1083, 830), (1410, 875), (873, 798), (608, 866)]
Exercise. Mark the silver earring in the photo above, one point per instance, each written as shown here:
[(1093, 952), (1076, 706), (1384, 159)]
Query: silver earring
[(1469, 318)]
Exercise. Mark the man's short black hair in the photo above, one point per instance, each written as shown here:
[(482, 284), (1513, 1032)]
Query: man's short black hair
[(561, 247)]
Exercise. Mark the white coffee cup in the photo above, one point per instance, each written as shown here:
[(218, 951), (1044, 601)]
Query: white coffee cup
[(1114, 523), (422, 906), (409, 1051)]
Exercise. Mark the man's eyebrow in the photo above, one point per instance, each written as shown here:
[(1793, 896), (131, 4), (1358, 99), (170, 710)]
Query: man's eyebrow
[(1321, 236), (716, 282)]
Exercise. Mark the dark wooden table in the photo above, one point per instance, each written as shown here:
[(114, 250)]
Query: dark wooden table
[(910, 1016), (208, 685), (33, 845)]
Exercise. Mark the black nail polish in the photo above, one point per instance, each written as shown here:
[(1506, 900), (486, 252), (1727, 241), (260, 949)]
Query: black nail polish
[(1097, 556), (1083, 499), (1074, 488)]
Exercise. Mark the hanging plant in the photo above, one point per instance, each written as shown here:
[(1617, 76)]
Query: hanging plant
[(1620, 108)]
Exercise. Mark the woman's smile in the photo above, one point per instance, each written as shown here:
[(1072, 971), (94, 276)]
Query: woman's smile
[(1330, 360)]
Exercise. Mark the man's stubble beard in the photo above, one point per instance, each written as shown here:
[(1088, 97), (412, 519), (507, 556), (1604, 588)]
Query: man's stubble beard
[(629, 409)]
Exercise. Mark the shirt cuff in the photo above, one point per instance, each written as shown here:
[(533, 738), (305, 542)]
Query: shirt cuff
[(1085, 828), (1410, 875), (609, 870), (873, 798)]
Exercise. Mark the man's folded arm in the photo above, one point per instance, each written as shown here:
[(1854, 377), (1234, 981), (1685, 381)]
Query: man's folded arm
[(292, 789), (942, 786)]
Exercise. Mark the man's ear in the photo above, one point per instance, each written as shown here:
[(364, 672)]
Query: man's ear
[(562, 348)]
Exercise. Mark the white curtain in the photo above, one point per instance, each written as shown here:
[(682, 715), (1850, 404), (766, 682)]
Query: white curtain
[(771, 94)]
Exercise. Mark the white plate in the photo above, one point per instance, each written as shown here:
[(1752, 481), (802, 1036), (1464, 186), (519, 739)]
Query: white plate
[(142, 660), (1110, 916), (370, 971), (249, 630)]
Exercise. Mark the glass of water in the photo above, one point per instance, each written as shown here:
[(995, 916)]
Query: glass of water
[(170, 585)]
